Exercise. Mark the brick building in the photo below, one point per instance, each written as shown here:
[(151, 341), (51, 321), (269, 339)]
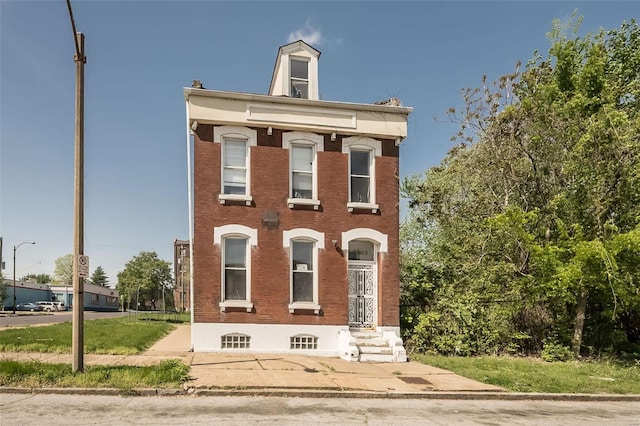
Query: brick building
[(295, 218)]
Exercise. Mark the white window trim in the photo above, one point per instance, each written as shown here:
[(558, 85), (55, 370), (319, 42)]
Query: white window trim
[(295, 51), (304, 234), (233, 230), (363, 143), (309, 139), (235, 132), (382, 240)]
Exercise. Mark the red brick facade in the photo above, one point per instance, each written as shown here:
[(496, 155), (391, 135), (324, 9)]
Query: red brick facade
[(270, 270)]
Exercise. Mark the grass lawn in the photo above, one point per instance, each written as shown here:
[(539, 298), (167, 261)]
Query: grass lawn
[(169, 374), (121, 336), (533, 375)]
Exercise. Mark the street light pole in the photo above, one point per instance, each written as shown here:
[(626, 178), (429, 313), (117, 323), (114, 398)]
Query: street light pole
[(15, 248)]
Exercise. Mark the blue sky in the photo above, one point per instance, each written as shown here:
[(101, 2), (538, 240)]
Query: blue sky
[(140, 54)]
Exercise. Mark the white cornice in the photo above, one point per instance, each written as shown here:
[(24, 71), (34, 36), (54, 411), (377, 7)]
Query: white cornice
[(285, 100)]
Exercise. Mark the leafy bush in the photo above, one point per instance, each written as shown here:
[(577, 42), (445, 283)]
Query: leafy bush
[(554, 351)]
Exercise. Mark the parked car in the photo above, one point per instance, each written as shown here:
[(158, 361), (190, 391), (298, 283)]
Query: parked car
[(48, 306), (60, 306), (28, 307)]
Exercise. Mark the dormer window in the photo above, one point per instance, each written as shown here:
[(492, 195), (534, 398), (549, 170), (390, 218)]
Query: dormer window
[(296, 72), (299, 78)]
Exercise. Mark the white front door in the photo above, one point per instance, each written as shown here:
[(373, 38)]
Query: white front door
[(362, 284)]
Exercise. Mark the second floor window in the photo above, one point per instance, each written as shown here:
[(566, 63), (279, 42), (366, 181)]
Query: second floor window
[(302, 158), (234, 169), (360, 176)]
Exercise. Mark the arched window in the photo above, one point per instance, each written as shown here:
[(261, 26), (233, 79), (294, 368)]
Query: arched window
[(235, 162), (303, 167), (362, 177), (235, 280), (303, 247)]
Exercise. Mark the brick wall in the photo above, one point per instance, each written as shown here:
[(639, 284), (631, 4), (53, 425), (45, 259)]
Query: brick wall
[(270, 286)]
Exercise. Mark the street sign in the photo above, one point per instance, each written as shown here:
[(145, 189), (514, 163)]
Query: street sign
[(83, 266)]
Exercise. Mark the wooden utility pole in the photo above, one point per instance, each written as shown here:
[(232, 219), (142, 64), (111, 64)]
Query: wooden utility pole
[(78, 219), (77, 336)]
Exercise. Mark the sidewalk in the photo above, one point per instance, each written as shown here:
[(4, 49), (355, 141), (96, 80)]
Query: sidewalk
[(274, 372)]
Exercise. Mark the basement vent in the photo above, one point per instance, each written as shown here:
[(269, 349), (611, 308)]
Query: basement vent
[(304, 342), (236, 341)]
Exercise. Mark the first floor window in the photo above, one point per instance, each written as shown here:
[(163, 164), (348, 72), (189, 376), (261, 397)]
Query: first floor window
[(303, 270), (235, 268), (234, 170)]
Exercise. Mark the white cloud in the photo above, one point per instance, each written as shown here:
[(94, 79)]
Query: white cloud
[(308, 34)]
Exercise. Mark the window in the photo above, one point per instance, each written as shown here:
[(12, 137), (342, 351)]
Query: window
[(303, 180), (302, 274), (303, 342), (362, 191), (303, 247), (235, 162), (302, 171), (94, 299), (235, 250), (235, 268), (234, 167), (360, 170), (235, 341), (361, 250), (299, 71)]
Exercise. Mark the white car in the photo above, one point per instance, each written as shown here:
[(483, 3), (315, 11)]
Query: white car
[(48, 306)]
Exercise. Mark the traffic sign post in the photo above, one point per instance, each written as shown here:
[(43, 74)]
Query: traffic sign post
[(83, 266)]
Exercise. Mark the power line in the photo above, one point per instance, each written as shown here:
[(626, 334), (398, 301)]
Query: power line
[(73, 28)]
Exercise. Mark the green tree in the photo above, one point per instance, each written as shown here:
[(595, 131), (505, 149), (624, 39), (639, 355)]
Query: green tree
[(39, 278), (63, 272), (99, 277), (144, 281), (527, 231)]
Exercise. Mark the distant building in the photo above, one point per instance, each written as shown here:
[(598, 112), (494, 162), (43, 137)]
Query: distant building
[(296, 218), (181, 262), (96, 298)]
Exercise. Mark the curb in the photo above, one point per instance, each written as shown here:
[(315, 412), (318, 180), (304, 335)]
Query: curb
[(296, 393)]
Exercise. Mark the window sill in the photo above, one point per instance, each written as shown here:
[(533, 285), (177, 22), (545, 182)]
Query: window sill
[(363, 206), (304, 306), (236, 304), (292, 202), (225, 198)]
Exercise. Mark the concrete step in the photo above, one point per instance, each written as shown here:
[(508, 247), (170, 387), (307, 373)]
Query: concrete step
[(372, 342), (375, 349), (364, 357), (365, 334)]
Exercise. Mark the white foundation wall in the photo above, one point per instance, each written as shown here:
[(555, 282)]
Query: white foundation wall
[(267, 338)]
